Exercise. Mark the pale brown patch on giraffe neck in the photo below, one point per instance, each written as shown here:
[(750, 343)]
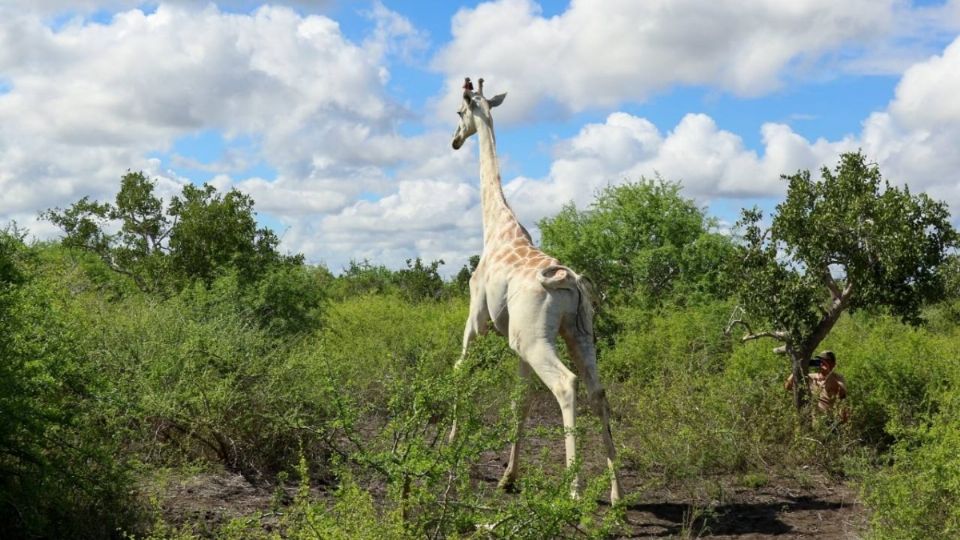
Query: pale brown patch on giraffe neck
[(507, 244), (500, 224)]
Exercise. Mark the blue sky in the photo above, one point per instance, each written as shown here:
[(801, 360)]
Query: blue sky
[(336, 116)]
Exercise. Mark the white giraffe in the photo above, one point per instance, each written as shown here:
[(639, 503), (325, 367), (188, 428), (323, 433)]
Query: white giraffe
[(530, 298)]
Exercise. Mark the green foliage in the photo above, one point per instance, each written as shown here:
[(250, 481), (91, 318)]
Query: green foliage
[(60, 475), (214, 231), (461, 282), (918, 496), (353, 515), (137, 250), (288, 299), (361, 278), (202, 381), (544, 509), (641, 241), (685, 423), (418, 282), (654, 343), (259, 364), (950, 274), (201, 235), (848, 241)]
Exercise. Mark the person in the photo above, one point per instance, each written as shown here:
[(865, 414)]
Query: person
[(827, 386)]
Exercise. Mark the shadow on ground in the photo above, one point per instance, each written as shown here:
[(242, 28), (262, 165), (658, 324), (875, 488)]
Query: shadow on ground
[(764, 519)]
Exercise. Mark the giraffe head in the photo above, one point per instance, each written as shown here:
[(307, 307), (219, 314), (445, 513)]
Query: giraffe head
[(474, 108)]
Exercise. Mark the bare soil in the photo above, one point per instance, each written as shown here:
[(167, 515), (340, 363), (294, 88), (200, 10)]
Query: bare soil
[(783, 508), (798, 504)]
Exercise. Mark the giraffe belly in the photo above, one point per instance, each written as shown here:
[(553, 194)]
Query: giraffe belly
[(497, 307)]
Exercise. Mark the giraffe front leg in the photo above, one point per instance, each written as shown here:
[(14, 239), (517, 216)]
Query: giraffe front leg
[(476, 325)]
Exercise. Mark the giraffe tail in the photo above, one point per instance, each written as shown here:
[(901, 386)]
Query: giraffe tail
[(561, 277), (557, 276)]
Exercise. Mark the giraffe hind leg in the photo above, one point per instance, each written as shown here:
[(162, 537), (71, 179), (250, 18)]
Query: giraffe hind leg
[(543, 359), (583, 353)]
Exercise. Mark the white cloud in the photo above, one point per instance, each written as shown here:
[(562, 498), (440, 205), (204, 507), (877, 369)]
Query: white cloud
[(81, 104), (709, 161), (600, 53), (88, 101), (914, 142), (426, 218)]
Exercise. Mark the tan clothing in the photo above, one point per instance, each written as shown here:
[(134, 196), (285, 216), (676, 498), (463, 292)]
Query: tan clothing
[(825, 389)]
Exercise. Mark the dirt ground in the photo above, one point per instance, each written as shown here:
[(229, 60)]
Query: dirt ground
[(783, 508), (803, 504)]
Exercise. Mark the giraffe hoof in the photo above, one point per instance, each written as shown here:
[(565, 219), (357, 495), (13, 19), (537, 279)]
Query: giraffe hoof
[(508, 485)]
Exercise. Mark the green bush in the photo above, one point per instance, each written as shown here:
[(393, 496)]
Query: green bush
[(196, 378), (895, 374), (918, 495), (60, 472), (670, 340)]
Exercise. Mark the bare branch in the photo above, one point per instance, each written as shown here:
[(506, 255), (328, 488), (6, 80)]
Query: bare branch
[(776, 334), (847, 291), (737, 319), (750, 335), (831, 283)]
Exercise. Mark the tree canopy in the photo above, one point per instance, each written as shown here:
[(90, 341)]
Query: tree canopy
[(641, 241), (847, 241), (201, 234)]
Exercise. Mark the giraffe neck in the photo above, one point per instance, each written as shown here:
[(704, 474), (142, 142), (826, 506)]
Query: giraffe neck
[(498, 217)]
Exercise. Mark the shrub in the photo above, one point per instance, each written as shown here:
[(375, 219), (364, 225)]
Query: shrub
[(918, 496), (60, 474), (194, 377)]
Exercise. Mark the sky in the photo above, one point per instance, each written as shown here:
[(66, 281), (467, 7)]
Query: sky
[(336, 116)]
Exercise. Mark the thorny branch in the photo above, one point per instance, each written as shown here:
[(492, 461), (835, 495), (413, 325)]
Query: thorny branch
[(736, 318)]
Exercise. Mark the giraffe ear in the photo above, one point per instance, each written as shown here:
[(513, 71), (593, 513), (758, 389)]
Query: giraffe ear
[(496, 100)]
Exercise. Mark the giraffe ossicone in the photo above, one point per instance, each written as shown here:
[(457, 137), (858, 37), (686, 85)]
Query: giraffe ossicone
[(530, 298)]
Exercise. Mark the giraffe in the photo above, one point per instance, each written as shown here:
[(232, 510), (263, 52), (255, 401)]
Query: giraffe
[(529, 297)]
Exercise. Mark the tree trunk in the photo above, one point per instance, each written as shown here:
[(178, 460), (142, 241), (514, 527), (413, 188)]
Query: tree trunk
[(800, 356), (801, 389)]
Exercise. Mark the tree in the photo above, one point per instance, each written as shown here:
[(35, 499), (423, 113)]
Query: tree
[(846, 242), (61, 473), (418, 282), (138, 249), (201, 234), (641, 241), (214, 231), (364, 278), (460, 284)]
